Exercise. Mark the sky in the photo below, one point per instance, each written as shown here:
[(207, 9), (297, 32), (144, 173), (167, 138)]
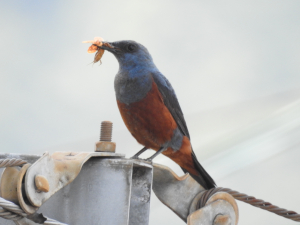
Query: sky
[(223, 58), (213, 53)]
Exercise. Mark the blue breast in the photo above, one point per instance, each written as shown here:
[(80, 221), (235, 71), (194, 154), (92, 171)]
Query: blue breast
[(134, 80)]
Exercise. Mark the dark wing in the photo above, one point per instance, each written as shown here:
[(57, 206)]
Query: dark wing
[(171, 101)]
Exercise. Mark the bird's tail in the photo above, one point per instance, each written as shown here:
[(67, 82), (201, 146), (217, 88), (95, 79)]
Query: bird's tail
[(187, 160), (202, 177)]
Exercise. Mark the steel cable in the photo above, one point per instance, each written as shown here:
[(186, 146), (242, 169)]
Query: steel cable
[(11, 211), (9, 215), (11, 162), (250, 200), (53, 222), (12, 207)]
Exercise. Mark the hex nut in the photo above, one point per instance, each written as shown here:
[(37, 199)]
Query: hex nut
[(105, 146), (41, 183)]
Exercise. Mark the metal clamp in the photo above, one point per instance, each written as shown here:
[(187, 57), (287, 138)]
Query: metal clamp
[(181, 195), (220, 209)]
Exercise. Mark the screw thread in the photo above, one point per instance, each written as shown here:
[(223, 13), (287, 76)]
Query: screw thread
[(106, 131)]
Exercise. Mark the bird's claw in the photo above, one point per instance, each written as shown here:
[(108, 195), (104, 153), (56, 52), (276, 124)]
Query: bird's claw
[(134, 157), (148, 160)]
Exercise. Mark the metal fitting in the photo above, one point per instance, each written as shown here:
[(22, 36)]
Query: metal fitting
[(105, 144), (41, 183), (219, 209), (222, 220)]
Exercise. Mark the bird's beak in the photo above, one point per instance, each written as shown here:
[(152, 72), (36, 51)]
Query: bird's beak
[(109, 46)]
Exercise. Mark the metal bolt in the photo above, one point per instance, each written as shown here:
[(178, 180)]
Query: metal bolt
[(105, 144), (106, 131), (41, 183)]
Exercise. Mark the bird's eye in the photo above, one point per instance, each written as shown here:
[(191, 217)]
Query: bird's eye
[(131, 47)]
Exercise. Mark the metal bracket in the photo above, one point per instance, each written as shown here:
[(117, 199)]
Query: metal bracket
[(175, 192), (123, 181), (210, 214), (58, 170), (217, 205), (181, 195)]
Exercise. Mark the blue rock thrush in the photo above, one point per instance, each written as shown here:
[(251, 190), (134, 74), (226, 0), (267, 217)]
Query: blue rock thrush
[(150, 109)]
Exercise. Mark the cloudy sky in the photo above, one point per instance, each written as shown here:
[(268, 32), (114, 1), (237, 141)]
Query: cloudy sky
[(216, 54)]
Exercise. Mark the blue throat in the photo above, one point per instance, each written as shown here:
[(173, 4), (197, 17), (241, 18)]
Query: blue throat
[(134, 79)]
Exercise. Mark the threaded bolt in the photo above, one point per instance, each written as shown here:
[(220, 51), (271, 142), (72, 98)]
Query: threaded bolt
[(105, 144), (106, 131)]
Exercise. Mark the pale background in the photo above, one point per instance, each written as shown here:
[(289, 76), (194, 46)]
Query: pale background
[(235, 66)]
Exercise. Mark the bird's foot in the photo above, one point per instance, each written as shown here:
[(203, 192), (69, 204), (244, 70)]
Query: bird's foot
[(134, 157), (149, 159), (156, 154)]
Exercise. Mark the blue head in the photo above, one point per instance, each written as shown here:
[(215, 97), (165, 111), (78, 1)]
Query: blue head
[(132, 56), (134, 79)]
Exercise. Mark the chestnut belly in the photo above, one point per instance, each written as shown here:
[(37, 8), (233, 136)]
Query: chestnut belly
[(149, 120)]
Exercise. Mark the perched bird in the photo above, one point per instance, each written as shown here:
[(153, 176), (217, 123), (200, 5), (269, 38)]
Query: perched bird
[(150, 109)]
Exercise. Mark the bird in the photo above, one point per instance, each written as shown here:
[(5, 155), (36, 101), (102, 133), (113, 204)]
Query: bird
[(150, 109)]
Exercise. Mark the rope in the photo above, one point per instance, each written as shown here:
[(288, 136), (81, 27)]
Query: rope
[(250, 200), (11, 211), (11, 162)]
